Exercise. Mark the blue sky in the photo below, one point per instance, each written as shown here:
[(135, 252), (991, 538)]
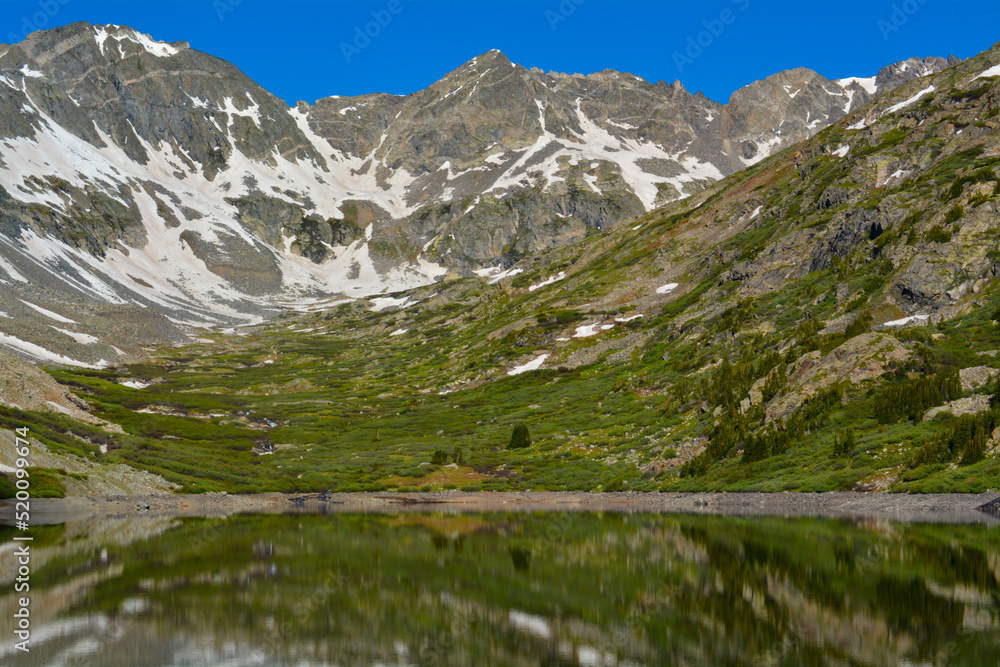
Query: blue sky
[(307, 49)]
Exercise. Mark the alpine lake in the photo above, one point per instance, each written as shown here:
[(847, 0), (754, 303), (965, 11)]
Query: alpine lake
[(511, 588)]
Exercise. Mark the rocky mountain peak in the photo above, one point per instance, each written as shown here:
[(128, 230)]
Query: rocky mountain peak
[(778, 111), (492, 58), (115, 42), (896, 74), (184, 186)]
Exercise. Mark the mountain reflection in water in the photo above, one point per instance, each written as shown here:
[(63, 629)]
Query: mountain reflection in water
[(507, 589)]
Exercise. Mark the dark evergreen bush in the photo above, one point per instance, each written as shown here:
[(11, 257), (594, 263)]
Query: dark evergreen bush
[(843, 443), (520, 438), (914, 397)]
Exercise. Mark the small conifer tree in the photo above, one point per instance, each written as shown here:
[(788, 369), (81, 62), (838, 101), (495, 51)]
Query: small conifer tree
[(975, 451), (520, 438), (843, 443)]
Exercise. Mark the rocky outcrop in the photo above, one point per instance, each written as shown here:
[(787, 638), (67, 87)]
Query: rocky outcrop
[(992, 507), (977, 376), (860, 359), (26, 387), (963, 406)]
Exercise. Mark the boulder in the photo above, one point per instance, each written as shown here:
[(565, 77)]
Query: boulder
[(963, 406)]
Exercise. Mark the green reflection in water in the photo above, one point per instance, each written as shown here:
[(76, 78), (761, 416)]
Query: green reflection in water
[(516, 589)]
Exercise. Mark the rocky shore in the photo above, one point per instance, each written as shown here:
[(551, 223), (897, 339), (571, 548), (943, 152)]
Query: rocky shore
[(942, 508)]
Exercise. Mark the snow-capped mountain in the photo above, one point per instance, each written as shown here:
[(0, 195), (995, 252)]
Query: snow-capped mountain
[(162, 184)]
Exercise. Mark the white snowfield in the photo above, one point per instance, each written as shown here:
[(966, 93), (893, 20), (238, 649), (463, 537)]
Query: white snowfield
[(535, 625), (905, 103), (383, 303), (532, 365), (868, 83), (588, 330), (158, 49), (42, 354), (908, 321), (993, 71), (547, 281), (48, 313), (496, 274), (82, 338)]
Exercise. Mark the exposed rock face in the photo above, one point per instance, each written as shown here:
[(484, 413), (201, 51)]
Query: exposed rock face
[(26, 387), (779, 111), (977, 376), (895, 75), (861, 358)]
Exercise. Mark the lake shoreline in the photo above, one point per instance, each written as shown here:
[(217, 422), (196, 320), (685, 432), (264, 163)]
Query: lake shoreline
[(935, 508)]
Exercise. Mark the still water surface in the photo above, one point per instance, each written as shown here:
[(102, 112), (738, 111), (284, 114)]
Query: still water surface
[(508, 589)]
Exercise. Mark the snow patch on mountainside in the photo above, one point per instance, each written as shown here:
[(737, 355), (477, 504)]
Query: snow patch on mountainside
[(532, 365), (597, 144), (48, 313), (158, 49), (11, 272), (547, 281), (82, 338), (765, 148), (905, 103), (908, 321), (991, 72), (343, 178), (867, 83), (42, 354)]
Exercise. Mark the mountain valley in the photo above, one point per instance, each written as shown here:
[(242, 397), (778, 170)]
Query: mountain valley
[(793, 291)]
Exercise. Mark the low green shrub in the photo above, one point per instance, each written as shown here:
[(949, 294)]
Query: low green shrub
[(937, 234)]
